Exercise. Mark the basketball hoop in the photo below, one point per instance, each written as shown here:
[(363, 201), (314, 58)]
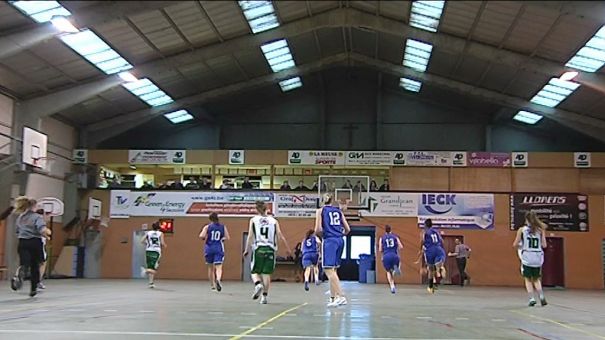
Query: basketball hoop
[(51, 206), (43, 164)]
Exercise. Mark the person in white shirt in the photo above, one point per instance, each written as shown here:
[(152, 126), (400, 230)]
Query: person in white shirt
[(154, 242)]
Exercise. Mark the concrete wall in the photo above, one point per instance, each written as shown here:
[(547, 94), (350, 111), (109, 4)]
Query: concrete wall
[(6, 123)]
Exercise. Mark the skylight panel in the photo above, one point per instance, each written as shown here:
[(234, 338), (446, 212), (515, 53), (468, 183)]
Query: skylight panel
[(290, 84), (178, 116), (417, 55), (148, 92), (591, 56), (410, 84), (426, 14), (527, 117), (278, 55), (553, 93), (260, 15), (87, 44), (41, 11)]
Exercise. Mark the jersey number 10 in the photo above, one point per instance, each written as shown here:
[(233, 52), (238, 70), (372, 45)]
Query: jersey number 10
[(215, 235), (533, 242)]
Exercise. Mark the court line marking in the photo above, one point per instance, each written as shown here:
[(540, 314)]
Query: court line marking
[(264, 323), (560, 324), (199, 335)]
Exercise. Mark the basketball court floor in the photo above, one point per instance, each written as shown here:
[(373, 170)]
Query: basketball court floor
[(127, 309)]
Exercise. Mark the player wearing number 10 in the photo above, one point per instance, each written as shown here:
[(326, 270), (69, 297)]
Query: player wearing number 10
[(214, 234), (332, 223), (154, 241), (531, 238)]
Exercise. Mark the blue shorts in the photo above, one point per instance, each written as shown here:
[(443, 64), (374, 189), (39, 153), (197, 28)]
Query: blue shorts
[(310, 259), (332, 251), (214, 257), (434, 255), (390, 261)]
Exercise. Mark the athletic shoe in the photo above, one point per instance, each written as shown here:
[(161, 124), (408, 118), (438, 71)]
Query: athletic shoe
[(212, 288), (341, 301), (17, 280), (263, 300), (307, 286), (397, 271), (333, 303), (41, 285), (151, 285), (532, 302), (430, 290), (218, 286), (543, 302), (317, 282), (393, 290), (33, 293), (258, 289)]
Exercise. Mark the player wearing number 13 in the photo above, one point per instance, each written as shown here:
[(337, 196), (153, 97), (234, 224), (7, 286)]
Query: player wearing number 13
[(389, 246), (531, 238)]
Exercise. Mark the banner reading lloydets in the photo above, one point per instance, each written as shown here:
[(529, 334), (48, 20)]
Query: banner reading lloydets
[(157, 203), (457, 211), (562, 212)]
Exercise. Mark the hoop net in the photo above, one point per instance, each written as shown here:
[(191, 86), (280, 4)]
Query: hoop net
[(43, 164)]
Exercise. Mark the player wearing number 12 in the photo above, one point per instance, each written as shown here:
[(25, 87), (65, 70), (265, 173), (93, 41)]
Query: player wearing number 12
[(154, 242), (262, 234), (531, 238), (214, 234), (389, 246)]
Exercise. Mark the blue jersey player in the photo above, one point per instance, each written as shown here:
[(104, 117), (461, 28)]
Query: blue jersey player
[(214, 234), (331, 222), (434, 254), (310, 256), (389, 246)]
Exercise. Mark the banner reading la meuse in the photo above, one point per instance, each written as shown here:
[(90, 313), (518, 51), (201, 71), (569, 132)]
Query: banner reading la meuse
[(157, 203), (562, 212)]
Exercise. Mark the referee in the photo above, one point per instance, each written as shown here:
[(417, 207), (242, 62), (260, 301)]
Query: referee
[(462, 252)]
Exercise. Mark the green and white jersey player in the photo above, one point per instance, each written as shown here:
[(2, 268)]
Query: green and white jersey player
[(154, 242), (263, 234)]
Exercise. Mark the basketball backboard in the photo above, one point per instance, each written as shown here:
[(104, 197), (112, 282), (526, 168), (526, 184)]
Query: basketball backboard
[(51, 206), (349, 189), (34, 147)]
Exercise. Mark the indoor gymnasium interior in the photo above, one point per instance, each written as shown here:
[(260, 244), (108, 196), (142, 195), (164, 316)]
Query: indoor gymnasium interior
[(341, 169)]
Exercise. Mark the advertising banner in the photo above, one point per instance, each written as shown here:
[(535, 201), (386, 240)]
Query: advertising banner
[(428, 158), (520, 159), (236, 156), (459, 158), (174, 204), (80, 156), (489, 159), (119, 204), (457, 211), (562, 212), (390, 204), (295, 205), (373, 158), (156, 156), (306, 157), (581, 159)]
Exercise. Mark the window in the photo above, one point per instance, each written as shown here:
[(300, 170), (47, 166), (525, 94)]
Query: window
[(344, 251), (360, 245)]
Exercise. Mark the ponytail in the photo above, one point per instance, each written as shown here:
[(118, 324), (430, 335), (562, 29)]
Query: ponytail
[(23, 204)]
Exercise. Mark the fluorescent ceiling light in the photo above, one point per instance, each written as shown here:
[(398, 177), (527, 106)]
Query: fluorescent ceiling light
[(87, 44), (41, 11), (426, 14), (178, 116), (527, 117), (567, 76), (591, 56), (63, 24), (148, 92), (260, 15), (417, 55), (290, 84), (410, 84), (278, 55), (554, 92), (127, 76)]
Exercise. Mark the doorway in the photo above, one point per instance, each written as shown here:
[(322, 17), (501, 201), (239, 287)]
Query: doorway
[(553, 270), (246, 261), (360, 240), (452, 276), (138, 254)]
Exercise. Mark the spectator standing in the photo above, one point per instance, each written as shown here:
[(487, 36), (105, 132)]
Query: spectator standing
[(177, 185), (192, 185), (285, 186), (206, 185), (462, 252), (347, 184), (359, 187), (373, 186), (385, 186), (226, 185), (147, 186), (246, 184), (301, 186)]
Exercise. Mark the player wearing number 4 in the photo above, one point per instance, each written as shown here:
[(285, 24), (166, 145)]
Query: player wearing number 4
[(531, 238), (389, 246), (331, 222), (214, 234), (262, 235), (154, 241)]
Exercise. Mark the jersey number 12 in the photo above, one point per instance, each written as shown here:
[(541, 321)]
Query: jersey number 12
[(335, 218)]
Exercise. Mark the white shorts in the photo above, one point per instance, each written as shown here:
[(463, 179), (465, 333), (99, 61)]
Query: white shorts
[(532, 258)]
